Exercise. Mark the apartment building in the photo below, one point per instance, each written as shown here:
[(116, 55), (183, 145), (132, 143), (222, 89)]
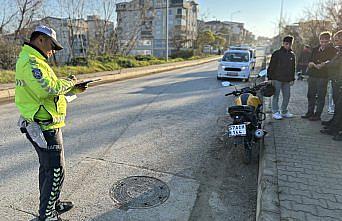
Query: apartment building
[(141, 26), (75, 35), (233, 32)]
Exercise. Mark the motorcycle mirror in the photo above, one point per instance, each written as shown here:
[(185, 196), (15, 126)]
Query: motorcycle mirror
[(262, 73), (226, 84)]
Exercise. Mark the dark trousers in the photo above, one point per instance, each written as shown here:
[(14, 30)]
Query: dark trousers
[(317, 90), (51, 171), (337, 118), (336, 85)]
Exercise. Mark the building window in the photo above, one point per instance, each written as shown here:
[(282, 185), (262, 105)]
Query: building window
[(179, 11)]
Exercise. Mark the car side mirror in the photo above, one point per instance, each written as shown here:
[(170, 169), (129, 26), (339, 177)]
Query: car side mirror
[(219, 60)]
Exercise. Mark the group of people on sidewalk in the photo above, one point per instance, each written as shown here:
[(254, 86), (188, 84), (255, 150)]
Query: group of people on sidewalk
[(324, 65)]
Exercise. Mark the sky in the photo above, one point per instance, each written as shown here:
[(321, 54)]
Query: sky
[(260, 16)]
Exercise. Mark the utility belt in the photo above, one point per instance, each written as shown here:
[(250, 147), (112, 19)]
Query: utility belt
[(34, 131)]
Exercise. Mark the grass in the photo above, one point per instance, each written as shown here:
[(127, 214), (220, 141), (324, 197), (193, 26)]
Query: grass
[(6, 76), (98, 65)]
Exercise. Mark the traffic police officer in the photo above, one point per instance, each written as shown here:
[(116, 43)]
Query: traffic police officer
[(39, 96)]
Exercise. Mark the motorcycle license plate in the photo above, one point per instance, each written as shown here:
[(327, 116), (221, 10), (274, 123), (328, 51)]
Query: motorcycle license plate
[(237, 130)]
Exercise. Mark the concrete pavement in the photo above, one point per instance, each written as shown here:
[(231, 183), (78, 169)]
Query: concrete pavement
[(164, 126), (300, 169), (7, 91)]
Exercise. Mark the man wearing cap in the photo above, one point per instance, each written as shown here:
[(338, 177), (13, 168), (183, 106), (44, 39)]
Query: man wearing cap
[(281, 71), (39, 96)]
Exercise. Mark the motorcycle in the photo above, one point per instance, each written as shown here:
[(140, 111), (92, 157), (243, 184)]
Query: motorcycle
[(246, 128)]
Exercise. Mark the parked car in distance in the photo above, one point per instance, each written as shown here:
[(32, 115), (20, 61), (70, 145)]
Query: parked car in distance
[(235, 64)]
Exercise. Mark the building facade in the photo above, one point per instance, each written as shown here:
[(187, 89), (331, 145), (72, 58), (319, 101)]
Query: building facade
[(234, 32), (141, 26), (77, 36)]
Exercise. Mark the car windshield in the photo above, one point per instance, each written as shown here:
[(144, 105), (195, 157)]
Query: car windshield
[(236, 57)]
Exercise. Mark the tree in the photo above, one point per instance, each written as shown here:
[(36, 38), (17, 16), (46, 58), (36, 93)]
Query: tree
[(8, 54), (219, 41), (205, 38), (8, 14), (27, 9), (333, 12), (143, 13)]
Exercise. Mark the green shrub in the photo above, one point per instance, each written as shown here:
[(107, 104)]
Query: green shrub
[(79, 61), (182, 54), (127, 62), (6, 76), (144, 57), (176, 60)]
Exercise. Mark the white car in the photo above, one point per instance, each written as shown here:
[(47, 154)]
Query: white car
[(235, 64)]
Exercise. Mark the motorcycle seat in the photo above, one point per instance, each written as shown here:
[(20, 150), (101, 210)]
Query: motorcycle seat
[(240, 109)]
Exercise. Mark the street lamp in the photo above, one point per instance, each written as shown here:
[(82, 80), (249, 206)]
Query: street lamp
[(233, 13), (281, 19)]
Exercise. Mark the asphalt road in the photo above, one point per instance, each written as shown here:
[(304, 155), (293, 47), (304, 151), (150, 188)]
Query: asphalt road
[(167, 126)]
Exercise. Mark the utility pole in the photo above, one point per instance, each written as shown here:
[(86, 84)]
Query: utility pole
[(281, 19), (167, 30), (230, 27)]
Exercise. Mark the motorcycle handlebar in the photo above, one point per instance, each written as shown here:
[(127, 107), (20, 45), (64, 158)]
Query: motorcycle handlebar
[(243, 90)]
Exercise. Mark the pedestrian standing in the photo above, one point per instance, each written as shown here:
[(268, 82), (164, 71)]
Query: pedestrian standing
[(39, 96), (334, 67), (318, 78), (303, 61), (281, 72)]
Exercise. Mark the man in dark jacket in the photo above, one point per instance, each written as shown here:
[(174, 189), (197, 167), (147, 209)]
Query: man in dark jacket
[(334, 126), (318, 78), (281, 72), (303, 61)]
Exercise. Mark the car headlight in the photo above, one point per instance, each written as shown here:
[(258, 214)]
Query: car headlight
[(244, 68), (223, 67)]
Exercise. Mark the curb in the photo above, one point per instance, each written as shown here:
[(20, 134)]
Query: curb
[(111, 76), (267, 193)]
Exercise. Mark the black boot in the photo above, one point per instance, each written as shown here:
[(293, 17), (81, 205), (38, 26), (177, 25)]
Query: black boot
[(315, 117), (307, 115), (338, 137), (63, 206), (329, 131), (54, 217), (327, 123)]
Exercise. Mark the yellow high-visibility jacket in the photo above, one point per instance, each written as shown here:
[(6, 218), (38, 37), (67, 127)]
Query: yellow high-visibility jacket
[(39, 94)]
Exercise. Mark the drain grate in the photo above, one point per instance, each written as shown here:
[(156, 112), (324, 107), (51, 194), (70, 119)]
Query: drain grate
[(137, 192)]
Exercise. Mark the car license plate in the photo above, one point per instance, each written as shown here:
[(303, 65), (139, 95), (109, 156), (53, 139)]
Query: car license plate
[(237, 130), (232, 74)]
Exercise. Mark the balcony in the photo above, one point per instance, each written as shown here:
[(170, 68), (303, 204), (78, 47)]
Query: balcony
[(146, 34), (175, 3)]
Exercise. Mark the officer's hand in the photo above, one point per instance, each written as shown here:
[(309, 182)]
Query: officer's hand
[(319, 66), (73, 78), (311, 65), (81, 87)]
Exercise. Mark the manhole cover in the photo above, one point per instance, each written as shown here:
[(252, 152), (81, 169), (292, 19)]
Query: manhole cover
[(139, 192)]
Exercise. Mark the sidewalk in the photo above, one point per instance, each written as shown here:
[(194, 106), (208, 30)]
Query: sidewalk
[(300, 169)]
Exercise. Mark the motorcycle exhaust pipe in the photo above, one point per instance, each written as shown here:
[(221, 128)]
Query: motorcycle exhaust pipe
[(259, 133)]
